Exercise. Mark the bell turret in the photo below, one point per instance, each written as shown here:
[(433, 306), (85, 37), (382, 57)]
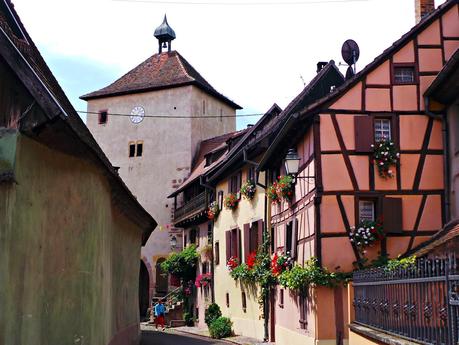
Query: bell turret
[(165, 35)]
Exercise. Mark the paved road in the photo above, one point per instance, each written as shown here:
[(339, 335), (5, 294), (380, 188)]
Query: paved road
[(171, 338)]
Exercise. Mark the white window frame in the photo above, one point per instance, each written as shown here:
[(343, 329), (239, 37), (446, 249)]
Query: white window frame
[(400, 77), (380, 131), (362, 205)]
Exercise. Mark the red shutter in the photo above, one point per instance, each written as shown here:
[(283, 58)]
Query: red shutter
[(364, 133), (260, 233), (228, 245), (294, 238), (392, 215), (246, 241)]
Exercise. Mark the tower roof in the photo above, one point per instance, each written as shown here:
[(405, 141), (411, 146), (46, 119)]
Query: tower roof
[(164, 31), (160, 71)]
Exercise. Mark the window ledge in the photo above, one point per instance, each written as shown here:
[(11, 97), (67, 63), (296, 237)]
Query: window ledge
[(378, 335)]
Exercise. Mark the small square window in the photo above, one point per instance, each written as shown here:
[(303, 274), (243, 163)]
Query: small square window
[(131, 149), (139, 149), (103, 117), (366, 210), (382, 129), (404, 75)]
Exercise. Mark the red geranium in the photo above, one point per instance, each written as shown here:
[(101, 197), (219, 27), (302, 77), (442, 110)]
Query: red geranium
[(251, 260)]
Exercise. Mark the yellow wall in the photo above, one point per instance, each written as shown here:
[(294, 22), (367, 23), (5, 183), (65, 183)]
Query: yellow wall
[(248, 323)]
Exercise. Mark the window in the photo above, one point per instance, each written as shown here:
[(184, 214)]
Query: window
[(253, 244), (193, 236), (281, 298), (232, 244), (382, 129), (217, 253), (220, 200), (209, 232), (235, 182), (272, 239), (366, 210), (404, 75), (288, 238), (251, 174), (139, 149), (303, 305), (204, 267), (103, 117), (244, 302), (185, 241), (227, 300), (131, 149)]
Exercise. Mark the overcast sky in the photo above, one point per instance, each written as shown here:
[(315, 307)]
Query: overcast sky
[(255, 54)]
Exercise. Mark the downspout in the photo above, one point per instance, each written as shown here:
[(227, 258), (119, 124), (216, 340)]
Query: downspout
[(264, 237), (212, 269), (445, 136)]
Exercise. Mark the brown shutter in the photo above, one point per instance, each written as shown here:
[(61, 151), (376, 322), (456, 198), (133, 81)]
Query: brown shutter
[(239, 181), (364, 133), (294, 238), (392, 215), (238, 244), (285, 239), (260, 233), (228, 245), (246, 241)]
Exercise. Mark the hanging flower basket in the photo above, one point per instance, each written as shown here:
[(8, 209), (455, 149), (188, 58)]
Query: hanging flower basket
[(213, 211), (285, 187), (232, 263), (272, 193), (203, 280), (231, 201), (280, 263), (385, 156), (248, 190), (366, 234)]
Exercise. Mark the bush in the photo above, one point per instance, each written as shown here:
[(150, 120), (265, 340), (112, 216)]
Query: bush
[(213, 312), (183, 264), (221, 328), (188, 317)]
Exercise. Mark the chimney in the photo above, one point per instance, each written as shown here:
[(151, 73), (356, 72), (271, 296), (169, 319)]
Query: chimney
[(321, 65), (422, 8)]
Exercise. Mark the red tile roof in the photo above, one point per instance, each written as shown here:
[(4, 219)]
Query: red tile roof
[(160, 71)]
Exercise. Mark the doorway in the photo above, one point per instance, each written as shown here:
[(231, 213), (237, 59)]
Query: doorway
[(144, 290), (161, 278)]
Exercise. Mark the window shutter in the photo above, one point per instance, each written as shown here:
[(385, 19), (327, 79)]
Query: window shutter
[(228, 245), (246, 241), (238, 244), (285, 239), (364, 133), (392, 215), (294, 239), (260, 232), (239, 181), (230, 179)]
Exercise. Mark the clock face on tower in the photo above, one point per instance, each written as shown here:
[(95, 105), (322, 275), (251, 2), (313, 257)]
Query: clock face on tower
[(137, 114)]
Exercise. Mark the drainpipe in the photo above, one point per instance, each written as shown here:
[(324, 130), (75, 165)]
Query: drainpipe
[(212, 270), (446, 175), (264, 237)]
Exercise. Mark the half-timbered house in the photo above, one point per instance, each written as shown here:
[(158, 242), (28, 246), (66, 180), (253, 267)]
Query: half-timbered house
[(340, 185)]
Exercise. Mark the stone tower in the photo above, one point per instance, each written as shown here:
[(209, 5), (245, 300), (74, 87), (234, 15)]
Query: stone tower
[(149, 123)]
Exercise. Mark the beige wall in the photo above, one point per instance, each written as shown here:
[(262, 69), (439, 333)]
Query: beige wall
[(246, 323), (168, 149)]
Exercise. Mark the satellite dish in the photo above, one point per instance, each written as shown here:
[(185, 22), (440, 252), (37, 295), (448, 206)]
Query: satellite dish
[(349, 72), (350, 52)]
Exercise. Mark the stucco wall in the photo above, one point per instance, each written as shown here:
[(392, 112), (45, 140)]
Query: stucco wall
[(246, 323), (168, 148), (69, 261)]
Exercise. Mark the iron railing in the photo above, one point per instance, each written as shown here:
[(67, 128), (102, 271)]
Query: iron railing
[(418, 303), (198, 203)]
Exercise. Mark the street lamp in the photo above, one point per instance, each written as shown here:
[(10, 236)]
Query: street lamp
[(292, 162), (173, 242)]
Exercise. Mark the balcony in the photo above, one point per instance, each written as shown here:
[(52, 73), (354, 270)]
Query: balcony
[(192, 210)]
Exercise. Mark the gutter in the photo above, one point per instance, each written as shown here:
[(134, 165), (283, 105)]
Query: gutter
[(445, 137)]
